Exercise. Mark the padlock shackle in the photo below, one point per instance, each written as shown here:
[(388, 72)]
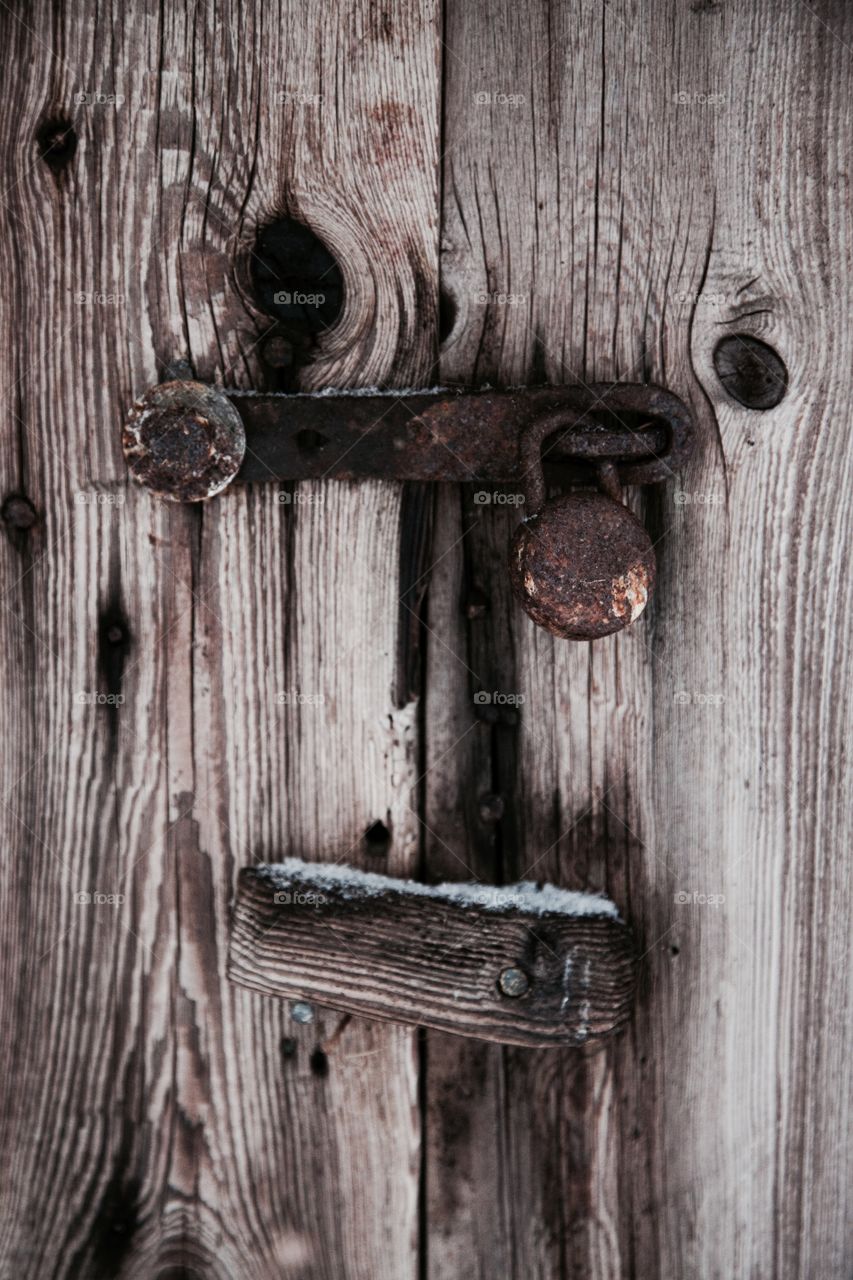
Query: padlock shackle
[(530, 455)]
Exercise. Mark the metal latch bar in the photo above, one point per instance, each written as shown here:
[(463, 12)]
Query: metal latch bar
[(187, 441)]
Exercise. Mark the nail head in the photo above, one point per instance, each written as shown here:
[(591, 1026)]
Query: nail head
[(514, 982)]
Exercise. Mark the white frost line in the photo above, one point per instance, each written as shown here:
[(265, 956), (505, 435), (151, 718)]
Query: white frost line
[(237, 393), (525, 896), (584, 1012), (568, 964)]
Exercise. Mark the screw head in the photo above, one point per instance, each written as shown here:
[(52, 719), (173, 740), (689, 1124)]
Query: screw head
[(491, 807), (278, 352), (184, 440), (477, 605), (514, 982), (302, 1011)]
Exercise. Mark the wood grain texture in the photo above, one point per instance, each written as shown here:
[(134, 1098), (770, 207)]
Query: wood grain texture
[(669, 177), (156, 1121), (623, 184), (643, 178), (393, 950)]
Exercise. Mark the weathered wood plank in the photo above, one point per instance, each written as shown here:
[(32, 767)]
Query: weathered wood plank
[(156, 1120), (664, 176)]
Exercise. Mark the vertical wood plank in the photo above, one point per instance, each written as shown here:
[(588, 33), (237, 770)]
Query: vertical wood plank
[(623, 184), (156, 1121)]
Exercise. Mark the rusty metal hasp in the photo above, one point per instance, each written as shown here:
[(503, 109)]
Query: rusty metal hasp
[(520, 964), (581, 565)]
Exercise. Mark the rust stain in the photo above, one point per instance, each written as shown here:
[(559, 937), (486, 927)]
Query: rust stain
[(630, 593), (397, 124)]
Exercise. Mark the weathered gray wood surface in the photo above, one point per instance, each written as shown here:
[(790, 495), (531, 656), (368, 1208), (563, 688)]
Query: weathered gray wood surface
[(673, 173), (436, 956), (156, 1121)]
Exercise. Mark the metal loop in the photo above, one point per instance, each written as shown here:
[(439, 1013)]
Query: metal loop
[(530, 454)]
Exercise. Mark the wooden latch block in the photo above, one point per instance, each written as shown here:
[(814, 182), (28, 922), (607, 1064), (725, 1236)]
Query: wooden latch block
[(518, 964)]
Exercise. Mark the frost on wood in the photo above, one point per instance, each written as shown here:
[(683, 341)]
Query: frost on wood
[(351, 884), (397, 393)]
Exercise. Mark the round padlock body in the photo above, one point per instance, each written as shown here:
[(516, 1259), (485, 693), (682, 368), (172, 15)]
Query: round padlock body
[(583, 567)]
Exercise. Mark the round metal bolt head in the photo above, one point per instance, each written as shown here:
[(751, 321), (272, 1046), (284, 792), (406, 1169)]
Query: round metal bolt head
[(584, 567), (491, 807), (184, 441), (302, 1011), (278, 352), (514, 982)]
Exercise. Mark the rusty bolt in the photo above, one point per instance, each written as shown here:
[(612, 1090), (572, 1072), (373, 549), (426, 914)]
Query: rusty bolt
[(183, 440), (514, 982), (491, 807), (476, 605), (278, 352)]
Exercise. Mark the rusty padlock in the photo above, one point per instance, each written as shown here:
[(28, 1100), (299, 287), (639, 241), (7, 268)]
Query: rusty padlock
[(581, 564)]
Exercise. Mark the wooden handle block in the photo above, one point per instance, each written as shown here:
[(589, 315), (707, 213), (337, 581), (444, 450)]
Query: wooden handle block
[(520, 965)]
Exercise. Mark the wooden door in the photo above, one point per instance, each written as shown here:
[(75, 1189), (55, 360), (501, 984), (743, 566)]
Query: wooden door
[(515, 193)]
